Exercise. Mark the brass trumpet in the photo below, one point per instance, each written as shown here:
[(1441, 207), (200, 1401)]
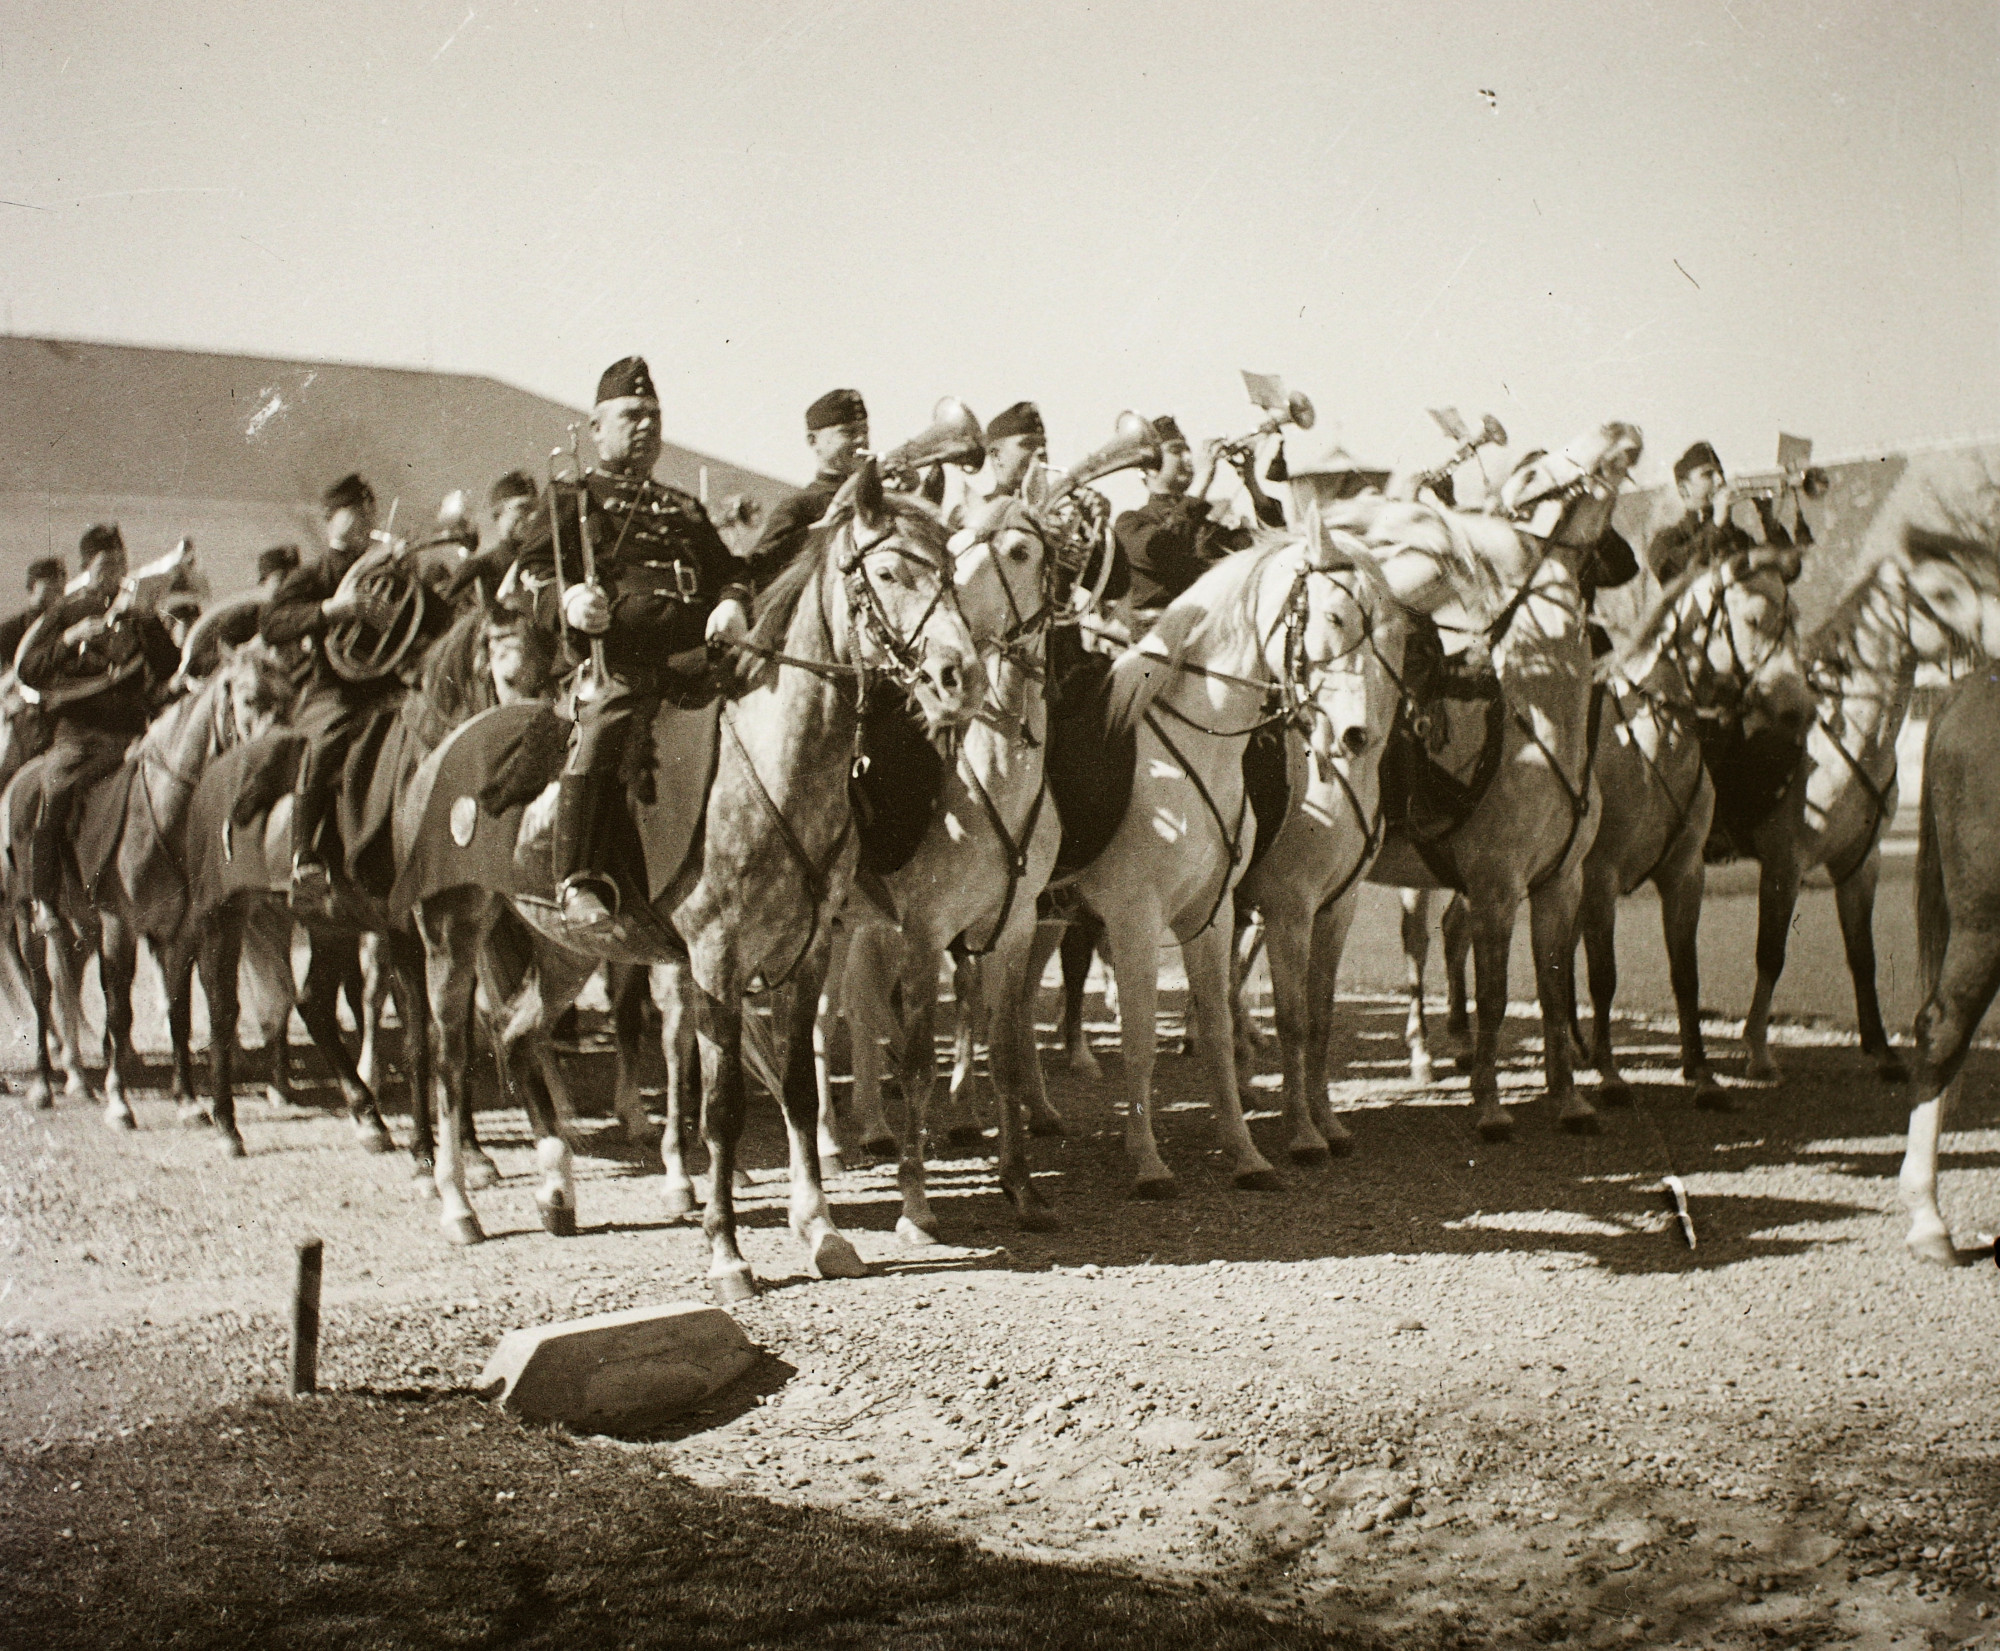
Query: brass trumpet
[(1297, 411), (1491, 433), (1812, 483), (953, 436)]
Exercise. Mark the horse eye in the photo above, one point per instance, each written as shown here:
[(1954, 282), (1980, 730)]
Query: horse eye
[(1018, 554)]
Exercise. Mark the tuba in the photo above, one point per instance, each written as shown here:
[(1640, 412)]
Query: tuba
[(952, 437), (380, 638), (1075, 516)]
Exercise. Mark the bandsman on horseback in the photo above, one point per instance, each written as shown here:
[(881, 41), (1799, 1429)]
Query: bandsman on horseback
[(99, 668), (656, 581), (46, 578), (333, 710), (1705, 532), (837, 433)]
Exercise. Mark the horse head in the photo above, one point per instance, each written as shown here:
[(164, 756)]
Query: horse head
[(1567, 498), (1345, 666), (1731, 631), (888, 572), (258, 691), (1955, 586), (516, 656), (1002, 565)]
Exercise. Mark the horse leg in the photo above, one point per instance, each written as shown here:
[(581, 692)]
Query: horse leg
[(828, 1021), (670, 991), (1855, 901), (1552, 928), (28, 953), (1966, 983), (1455, 943), (868, 990), (1132, 940), (916, 1079), (331, 964), (117, 962), (1009, 984), (1076, 944), (176, 960), (65, 975), (1777, 897), (1208, 956), (452, 927), (1416, 952), (828, 1250), (1246, 946), (629, 987), (267, 961), (963, 1133), (1288, 943), (1597, 917), (1491, 921), (1329, 939), (723, 1103), (369, 1063), (221, 950), (404, 954), (1681, 887)]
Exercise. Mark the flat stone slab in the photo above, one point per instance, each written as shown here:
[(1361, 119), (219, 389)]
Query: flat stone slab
[(629, 1372)]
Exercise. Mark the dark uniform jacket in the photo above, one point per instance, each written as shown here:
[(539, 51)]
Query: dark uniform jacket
[(1169, 543), (294, 623), (786, 528), (660, 561), (1691, 541), (11, 631), (137, 652)]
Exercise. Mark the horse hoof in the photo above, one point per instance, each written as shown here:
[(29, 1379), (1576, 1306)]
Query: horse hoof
[(1710, 1096), (232, 1145), (881, 1146), (1036, 1218), (1048, 1127), (912, 1236), (120, 1118), (192, 1116), (1159, 1190), (833, 1162), (1764, 1071), (1258, 1180), (558, 1217), (38, 1098), (834, 1257), (480, 1172), (966, 1142), (373, 1139), (1614, 1092), (1338, 1145), (1890, 1069), (462, 1230), (1933, 1248), (1496, 1129), (1310, 1155), (1582, 1123), (679, 1203), (1422, 1072), (1083, 1064), (736, 1285)]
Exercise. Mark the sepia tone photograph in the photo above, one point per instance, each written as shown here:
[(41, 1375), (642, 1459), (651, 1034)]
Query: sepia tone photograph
[(839, 824)]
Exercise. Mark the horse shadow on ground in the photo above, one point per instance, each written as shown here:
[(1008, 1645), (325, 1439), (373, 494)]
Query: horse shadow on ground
[(1418, 1179)]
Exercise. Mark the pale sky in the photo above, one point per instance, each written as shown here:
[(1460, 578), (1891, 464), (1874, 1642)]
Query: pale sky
[(1714, 219)]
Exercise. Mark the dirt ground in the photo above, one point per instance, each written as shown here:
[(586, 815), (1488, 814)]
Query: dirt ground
[(1438, 1393)]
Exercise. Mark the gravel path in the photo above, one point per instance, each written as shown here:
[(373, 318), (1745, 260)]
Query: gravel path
[(1458, 1393)]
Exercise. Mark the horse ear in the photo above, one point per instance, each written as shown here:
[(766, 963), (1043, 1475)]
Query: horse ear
[(870, 508)]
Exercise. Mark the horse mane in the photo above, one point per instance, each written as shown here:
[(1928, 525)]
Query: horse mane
[(451, 665), (1463, 544), (780, 599)]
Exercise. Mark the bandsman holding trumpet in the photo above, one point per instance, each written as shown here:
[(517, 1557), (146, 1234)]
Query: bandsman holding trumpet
[(653, 581), (1705, 533), (1172, 539), (99, 668)]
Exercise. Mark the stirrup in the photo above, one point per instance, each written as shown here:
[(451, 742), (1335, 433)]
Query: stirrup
[(599, 891)]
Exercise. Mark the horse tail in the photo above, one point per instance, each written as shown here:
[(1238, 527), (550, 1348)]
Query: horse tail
[(1141, 672), (1933, 915)]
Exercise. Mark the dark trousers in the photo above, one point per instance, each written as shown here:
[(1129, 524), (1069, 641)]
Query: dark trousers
[(329, 720), (77, 760), (621, 713)]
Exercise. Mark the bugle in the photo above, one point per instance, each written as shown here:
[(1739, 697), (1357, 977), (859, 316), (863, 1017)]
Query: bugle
[(1811, 483), (1491, 433)]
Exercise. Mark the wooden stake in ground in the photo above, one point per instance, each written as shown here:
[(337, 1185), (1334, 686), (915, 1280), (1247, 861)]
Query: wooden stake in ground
[(305, 1318)]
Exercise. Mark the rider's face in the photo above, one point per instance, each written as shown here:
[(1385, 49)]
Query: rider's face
[(1176, 472), (106, 568), (1699, 486), (1010, 457), (627, 431), (837, 448), (347, 529)]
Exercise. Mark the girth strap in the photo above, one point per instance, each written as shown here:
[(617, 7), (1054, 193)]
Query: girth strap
[(1015, 852), (1232, 840)]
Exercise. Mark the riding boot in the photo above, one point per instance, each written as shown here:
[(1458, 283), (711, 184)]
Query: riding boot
[(311, 884), (587, 897)]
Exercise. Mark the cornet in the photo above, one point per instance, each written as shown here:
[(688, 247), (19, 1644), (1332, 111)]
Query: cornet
[(1492, 433), (1812, 483)]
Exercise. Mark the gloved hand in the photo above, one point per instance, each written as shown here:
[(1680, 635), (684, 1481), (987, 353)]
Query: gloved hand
[(585, 609), (729, 622)]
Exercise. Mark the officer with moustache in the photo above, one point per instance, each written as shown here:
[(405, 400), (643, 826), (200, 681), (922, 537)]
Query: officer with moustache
[(837, 433), (664, 584)]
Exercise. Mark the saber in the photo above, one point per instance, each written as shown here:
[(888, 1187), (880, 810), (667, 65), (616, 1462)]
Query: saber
[(597, 673)]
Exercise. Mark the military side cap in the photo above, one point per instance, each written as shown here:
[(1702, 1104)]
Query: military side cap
[(100, 537), (1024, 418), (836, 407), (630, 377), (349, 493), (516, 484), (1167, 428), (1693, 459)]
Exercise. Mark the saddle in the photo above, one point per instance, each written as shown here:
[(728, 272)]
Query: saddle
[(1089, 768), (1267, 783), (897, 784), (1444, 747), (1751, 774)]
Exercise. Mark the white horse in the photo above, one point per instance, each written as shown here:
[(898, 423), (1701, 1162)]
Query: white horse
[(1268, 634), (978, 870)]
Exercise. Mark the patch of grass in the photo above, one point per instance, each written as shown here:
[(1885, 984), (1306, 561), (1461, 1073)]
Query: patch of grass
[(425, 1522)]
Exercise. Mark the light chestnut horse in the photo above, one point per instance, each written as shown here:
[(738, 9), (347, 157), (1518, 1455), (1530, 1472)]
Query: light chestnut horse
[(1958, 880), (774, 858), (1719, 643), (1269, 634), (1527, 837), (1908, 608), (980, 867)]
